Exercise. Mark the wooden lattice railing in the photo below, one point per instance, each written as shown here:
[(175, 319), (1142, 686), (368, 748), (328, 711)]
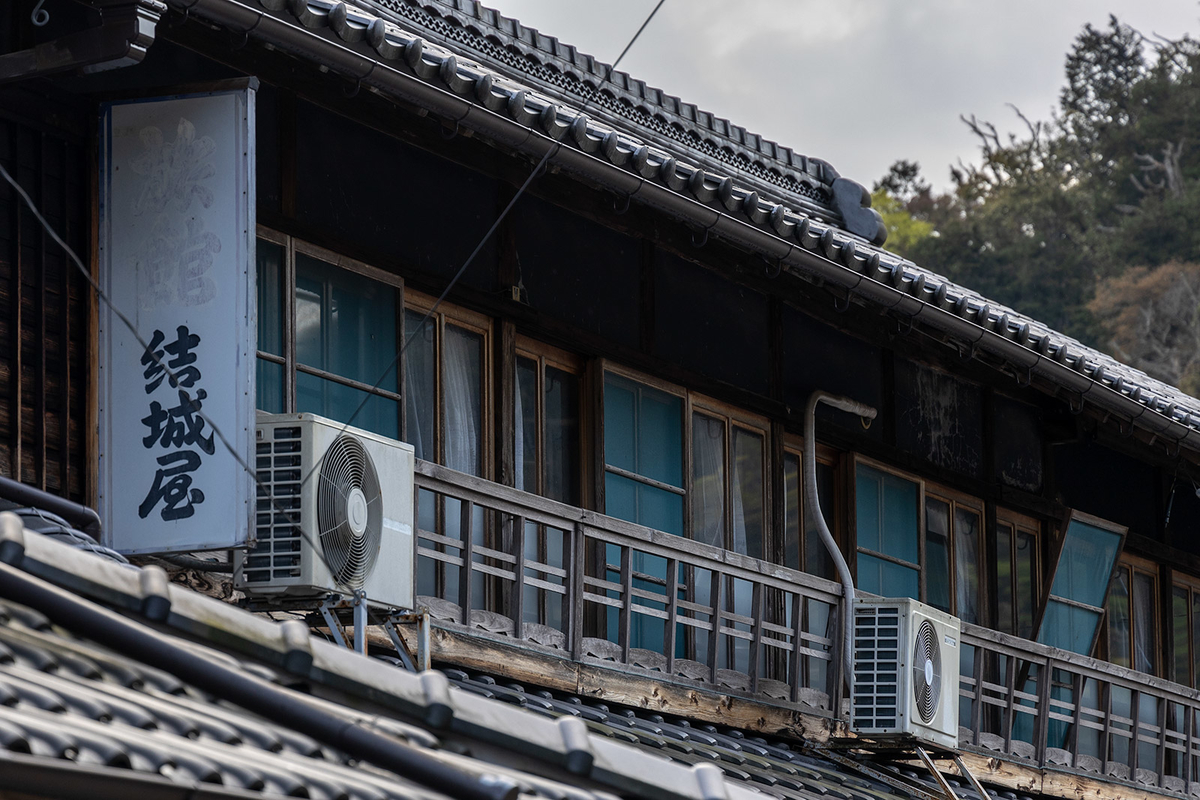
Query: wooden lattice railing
[(495, 562)]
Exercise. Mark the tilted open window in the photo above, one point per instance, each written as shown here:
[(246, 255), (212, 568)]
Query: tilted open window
[(1085, 556)]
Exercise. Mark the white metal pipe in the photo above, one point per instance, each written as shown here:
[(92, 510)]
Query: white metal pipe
[(812, 510)]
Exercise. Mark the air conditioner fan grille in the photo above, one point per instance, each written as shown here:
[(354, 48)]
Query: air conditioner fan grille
[(349, 512), (927, 671)]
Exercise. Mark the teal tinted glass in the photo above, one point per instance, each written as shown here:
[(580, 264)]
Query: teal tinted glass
[(345, 323), (646, 505), (270, 297), (886, 578), (1069, 627), (268, 386), (1088, 554), (643, 430), (338, 402), (937, 553), (887, 513), (748, 504)]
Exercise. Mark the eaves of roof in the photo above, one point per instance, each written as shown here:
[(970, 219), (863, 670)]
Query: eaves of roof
[(395, 61), (561, 71)]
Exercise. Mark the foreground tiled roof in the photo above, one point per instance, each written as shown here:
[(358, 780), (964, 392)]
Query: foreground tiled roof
[(76, 711)]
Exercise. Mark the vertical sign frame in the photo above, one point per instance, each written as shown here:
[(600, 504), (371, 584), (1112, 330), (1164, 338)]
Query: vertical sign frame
[(176, 257)]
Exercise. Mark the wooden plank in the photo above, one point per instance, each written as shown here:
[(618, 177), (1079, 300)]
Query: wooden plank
[(672, 612), (616, 685), (756, 601), (573, 599), (1040, 727), (717, 595), (517, 597), (795, 680), (466, 571), (625, 616)]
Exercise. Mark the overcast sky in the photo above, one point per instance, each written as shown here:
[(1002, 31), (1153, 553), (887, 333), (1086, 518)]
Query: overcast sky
[(858, 83)]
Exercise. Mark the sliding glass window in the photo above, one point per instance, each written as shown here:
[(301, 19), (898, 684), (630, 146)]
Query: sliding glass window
[(328, 335)]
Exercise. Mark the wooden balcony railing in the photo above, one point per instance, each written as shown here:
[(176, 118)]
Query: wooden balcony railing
[(498, 563)]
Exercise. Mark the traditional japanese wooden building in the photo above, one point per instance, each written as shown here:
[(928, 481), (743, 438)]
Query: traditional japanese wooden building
[(608, 408)]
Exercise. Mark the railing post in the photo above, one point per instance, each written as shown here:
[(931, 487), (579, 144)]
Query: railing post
[(576, 569), (977, 668), (1078, 682), (625, 618), (517, 599), (795, 672), (717, 595), (1041, 728), (465, 582), (1010, 681), (756, 601), (672, 611), (1135, 701)]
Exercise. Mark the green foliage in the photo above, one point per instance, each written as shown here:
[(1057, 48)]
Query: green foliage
[(904, 230), (1046, 215)]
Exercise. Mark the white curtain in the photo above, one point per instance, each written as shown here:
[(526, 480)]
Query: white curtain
[(708, 480), (461, 401), (739, 511)]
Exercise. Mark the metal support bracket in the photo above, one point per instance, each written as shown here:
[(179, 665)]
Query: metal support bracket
[(895, 780), (419, 661), (358, 602)]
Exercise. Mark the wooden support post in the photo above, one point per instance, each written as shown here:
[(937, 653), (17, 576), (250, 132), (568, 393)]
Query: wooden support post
[(669, 632), (466, 571), (517, 598)]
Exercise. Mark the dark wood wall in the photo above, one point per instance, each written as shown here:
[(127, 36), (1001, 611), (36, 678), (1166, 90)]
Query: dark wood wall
[(44, 340)]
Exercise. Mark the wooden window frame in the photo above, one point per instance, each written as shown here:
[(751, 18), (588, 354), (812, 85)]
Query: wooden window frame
[(1135, 565), (448, 313), (732, 417), (924, 488), (545, 355), (955, 500), (293, 246), (1191, 586), (1018, 523), (794, 445), (1049, 574)]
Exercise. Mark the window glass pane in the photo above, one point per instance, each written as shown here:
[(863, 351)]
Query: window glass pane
[(419, 385), (708, 480), (886, 578), (966, 558), (1087, 559), (1118, 619), (1004, 578), (1179, 635), (560, 438), (525, 433), (817, 560), (887, 513), (1144, 623), (268, 388), (270, 297), (1027, 584), (646, 505), (660, 436), (462, 399), (748, 499), (937, 553), (792, 523), (1069, 627), (1196, 637), (337, 402), (619, 423), (345, 323)]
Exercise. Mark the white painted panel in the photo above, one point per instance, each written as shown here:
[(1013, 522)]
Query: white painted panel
[(177, 259)]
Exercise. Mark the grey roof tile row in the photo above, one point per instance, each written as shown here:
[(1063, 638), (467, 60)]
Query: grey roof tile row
[(561, 68)]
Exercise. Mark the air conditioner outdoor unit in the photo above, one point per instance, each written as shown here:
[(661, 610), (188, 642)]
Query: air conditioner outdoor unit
[(348, 527), (905, 682)]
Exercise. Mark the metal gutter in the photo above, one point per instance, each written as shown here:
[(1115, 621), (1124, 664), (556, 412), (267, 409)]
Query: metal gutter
[(368, 50), (125, 33)]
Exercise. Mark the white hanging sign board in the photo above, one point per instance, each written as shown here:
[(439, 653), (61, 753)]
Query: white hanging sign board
[(176, 257)]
